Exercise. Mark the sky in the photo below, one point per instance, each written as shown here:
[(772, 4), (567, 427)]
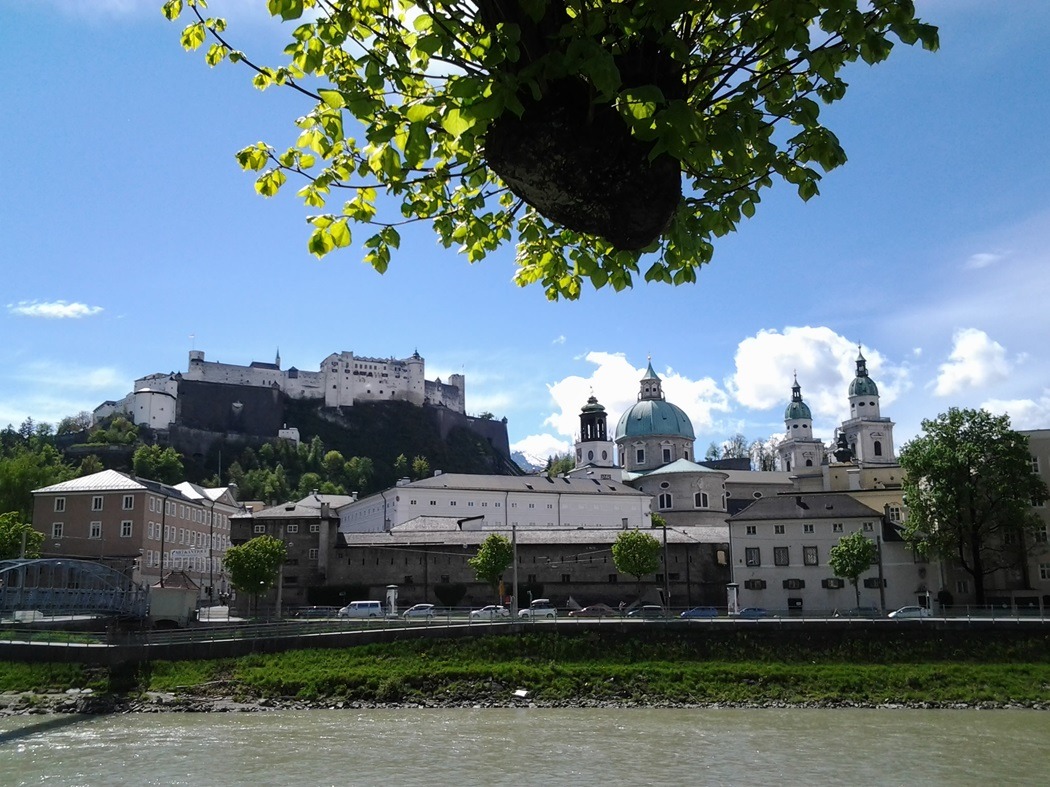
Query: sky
[(129, 236)]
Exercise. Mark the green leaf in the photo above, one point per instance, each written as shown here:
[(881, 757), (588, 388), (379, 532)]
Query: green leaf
[(172, 9), (455, 123), (332, 98), (270, 182), (193, 36)]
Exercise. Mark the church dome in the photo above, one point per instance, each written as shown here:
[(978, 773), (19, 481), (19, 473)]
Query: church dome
[(654, 417), (796, 411), (863, 385)]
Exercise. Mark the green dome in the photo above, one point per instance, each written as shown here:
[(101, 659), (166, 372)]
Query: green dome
[(797, 410), (654, 417), (863, 385)]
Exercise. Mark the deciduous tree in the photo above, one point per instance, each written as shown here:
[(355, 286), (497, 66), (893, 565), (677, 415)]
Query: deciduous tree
[(254, 565), (494, 556), (969, 491), (852, 556), (569, 126), (16, 535), (636, 552)]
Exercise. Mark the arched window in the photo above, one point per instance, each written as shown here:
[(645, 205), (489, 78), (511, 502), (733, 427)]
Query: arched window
[(809, 462), (700, 500), (878, 448), (664, 501)]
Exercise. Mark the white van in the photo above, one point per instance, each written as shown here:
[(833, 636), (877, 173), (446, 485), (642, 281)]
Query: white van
[(362, 609)]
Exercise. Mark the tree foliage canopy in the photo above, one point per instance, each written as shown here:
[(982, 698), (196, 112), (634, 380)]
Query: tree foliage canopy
[(253, 565), (494, 556), (969, 490), (567, 127), (12, 530), (636, 552), (852, 556)]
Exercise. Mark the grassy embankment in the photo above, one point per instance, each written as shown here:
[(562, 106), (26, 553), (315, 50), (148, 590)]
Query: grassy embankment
[(590, 668)]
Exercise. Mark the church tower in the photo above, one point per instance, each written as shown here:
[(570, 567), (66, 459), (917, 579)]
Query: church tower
[(868, 435), (593, 446), (800, 452), (653, 432)]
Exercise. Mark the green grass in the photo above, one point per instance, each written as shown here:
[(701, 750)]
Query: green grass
[(557, 668)]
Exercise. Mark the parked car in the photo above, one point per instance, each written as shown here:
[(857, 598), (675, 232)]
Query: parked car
[(910, 612), (753, 613), (647, 612), (594, 611), (539, 608), (425, 611), (859, 612), (700, 612), (491, 612), (362, 609)]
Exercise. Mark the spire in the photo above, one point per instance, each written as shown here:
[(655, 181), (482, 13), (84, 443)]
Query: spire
[(651, 385), (277, 361)]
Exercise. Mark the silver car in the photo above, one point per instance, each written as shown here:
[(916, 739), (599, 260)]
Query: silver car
[(491, 612)]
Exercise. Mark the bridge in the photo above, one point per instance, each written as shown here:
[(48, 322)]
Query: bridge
[(60, 586)]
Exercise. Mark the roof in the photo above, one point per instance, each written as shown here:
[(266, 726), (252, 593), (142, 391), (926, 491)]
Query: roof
[(823, 506), (309, 506), (654, 417), (112, 481), (680, 466), (522, 484)]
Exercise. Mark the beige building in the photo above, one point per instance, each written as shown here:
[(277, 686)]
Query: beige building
[(138, 526)]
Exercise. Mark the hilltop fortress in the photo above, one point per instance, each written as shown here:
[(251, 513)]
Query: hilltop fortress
[(342, 381)]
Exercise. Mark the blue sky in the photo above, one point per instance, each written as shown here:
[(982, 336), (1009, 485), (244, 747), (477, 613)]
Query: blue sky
[(130, 235)]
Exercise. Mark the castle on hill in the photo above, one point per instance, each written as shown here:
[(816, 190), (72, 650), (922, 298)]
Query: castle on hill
[(343, 380)]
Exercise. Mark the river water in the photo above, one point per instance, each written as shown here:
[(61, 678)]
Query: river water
[(529, 746)]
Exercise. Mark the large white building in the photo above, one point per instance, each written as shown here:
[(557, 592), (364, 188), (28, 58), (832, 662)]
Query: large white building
[(344, 379)]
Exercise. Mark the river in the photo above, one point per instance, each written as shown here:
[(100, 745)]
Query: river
[(529, 746)]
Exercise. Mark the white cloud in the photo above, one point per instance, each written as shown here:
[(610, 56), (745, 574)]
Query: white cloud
[(983, 260), (53, 310), (825, 363), (1024, 413), (52, 375), (559, 340), (614, 382), (975, 360)]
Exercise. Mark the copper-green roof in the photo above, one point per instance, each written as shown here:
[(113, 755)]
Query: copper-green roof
[(657, 417)]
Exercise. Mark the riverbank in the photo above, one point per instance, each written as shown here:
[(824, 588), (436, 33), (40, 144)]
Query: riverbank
[(551, 671)]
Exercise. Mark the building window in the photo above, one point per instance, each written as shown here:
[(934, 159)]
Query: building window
[(1044, 570), (639, 456), (259, 529), (1041, 536), (874, 582), (753, 556), (794, 584), (96, 503), (667, 455), (1037, 503), (751, 530), (128, 502), (95, 530), (700, 500), (1035, 464), (962, 586), (807, 528), (878, 448), (125, 528), (531, 579), (566, 579), (869, 527), (315, 527), (781, 556), (291, 529), (778, 530), (894, 513), (836, 527), (312, 554), (612, 579), (60, 504), (664, 501), (56, 530), (809, 556)]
